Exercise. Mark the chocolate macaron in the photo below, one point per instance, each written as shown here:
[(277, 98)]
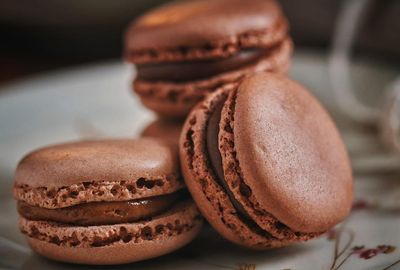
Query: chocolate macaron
[(186, 49), (104, 202), (164, 129), (265, 163)]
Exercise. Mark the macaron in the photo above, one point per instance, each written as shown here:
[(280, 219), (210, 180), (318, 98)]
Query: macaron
[(104, 202), (265, 163), (164, 129), (186, 49)]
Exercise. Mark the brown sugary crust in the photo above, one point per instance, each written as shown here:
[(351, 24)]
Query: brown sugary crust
[(237, 184), (221, 48), (213, 201), (177, 99), (115, 244), (97, 191), (179, 219)]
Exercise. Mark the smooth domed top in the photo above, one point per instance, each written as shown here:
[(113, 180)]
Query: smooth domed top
[(101, 160), (291, 154), (201, 22)]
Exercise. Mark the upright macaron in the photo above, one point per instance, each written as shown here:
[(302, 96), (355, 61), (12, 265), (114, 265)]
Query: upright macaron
[(265, 163), (104, 202), (185, 49)]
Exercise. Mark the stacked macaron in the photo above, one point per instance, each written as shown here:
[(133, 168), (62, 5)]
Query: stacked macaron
[(104, 202), (186, 49), (261, 158)]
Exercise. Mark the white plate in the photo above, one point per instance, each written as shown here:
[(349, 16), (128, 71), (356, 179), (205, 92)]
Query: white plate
[(95, 101)]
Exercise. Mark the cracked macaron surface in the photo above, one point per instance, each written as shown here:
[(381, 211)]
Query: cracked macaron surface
[(265, 163), (186, 49), (104, 201)]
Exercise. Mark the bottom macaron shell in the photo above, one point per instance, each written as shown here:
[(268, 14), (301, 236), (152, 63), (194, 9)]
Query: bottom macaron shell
[(212, 199), (175, 100), (115, 244)]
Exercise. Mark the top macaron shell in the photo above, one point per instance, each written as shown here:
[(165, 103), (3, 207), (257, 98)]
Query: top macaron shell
[(200, 26), (71, 173), (73, 163), (291, 154)]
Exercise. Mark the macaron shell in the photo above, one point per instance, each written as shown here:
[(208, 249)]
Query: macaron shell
[(204, 29), (164, 129), (117, 254), (175, 100), (291, 155), (111, 160), (212, 200), (120, 250), (104, 170)]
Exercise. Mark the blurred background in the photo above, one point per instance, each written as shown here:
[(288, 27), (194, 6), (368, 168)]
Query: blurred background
[(39, 35)]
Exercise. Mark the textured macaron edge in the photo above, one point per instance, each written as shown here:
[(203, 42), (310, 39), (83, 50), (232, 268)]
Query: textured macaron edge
[(308, 176), (211, 198), (177, 99), (224, 47), (94, 191), (237, 183), (164, 233)]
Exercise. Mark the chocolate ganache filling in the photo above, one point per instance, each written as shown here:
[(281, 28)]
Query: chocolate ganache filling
[(200, 69), (102, 213)]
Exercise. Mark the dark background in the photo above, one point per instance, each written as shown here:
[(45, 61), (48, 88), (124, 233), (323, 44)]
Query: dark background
[(38, 35)]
